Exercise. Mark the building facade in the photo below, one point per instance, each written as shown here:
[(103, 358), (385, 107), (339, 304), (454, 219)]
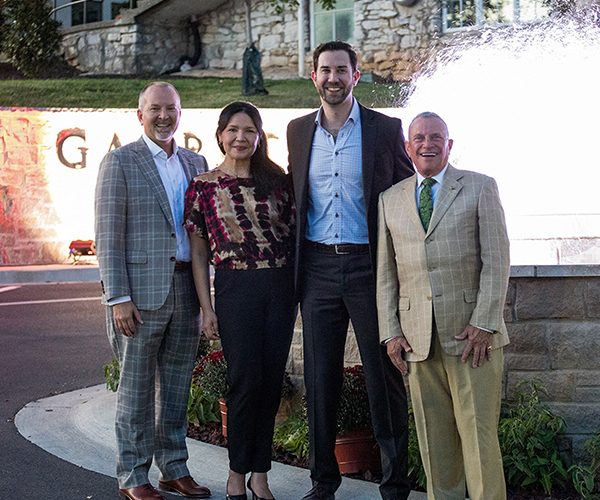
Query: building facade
[(393, 37)]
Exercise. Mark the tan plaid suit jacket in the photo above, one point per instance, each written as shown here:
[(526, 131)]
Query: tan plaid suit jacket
[(458, 270), (135, 233)]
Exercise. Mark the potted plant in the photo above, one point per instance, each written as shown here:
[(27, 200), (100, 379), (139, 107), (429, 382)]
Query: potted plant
[(356, 449), (210, 375)]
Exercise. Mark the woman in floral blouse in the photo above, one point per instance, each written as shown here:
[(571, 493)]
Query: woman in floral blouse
[(240, 217)]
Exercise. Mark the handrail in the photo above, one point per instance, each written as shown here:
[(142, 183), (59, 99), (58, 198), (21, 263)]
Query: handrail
[(75, 2)]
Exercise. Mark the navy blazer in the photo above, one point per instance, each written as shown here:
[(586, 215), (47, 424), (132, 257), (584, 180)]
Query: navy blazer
[(385, 163)]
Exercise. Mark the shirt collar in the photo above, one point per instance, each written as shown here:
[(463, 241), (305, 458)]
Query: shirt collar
[(354, 115), (438, 177), (155, 149)]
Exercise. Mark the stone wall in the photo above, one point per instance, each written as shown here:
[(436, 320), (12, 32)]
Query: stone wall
[(553, 319), (124, 47), (392, 40), (27, 216)]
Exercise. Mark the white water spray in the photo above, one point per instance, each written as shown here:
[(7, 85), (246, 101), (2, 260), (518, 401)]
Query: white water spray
[(523, 105)]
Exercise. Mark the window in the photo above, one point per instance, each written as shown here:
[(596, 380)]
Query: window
[(86, 12), (334, 24), (466, 13)]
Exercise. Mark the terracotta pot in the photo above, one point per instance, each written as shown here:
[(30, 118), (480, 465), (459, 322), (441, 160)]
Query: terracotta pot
[(223, 412), (356, 452)]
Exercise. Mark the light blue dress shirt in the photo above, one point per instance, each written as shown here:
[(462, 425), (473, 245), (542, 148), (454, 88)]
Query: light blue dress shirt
[(175, 184), (336, 205)]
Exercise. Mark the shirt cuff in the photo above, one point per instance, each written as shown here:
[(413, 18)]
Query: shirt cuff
[(119, 300), (485, 329)]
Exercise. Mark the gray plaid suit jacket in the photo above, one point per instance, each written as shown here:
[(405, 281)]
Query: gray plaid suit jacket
[(135, 232), (460, 266)]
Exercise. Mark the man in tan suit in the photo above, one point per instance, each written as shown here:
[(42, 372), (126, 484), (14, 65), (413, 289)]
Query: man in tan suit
[(442, 274)]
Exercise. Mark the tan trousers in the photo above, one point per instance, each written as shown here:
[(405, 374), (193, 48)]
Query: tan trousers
[(456, 410)]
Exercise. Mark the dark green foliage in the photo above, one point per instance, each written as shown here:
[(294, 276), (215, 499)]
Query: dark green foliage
[(353, 411), (30, 38), (586, 478), (202, 408), (292, 435), (528, 439), (280, 5), (210, 374), (112, 373), (416, 472)]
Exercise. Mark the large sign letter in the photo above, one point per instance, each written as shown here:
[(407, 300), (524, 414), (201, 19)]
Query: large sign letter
[(63, 135)]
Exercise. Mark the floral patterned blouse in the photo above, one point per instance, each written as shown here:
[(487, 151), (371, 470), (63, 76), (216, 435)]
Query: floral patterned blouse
[(243, 231)]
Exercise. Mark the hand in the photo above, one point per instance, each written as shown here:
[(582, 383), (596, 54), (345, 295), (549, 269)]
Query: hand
[(210, 325), (125, 317), (479, 343), (395, 348)]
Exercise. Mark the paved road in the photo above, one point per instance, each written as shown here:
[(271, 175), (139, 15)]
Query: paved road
[(50, 347)]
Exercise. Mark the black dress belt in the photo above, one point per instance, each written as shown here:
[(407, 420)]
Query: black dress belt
[(182, 265), (340, 249)]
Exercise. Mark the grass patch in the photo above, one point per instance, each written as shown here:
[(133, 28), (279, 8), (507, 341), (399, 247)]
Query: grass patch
[(207, 92)]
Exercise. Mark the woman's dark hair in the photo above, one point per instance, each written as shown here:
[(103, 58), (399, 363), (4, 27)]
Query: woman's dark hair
[(266, 173)]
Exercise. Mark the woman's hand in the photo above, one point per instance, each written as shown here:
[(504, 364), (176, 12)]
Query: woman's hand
[(210, 325)]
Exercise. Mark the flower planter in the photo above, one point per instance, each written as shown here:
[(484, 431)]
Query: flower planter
[(223, 412), (357, 452)]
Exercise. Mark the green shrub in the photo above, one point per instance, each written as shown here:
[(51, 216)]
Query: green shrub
[(353, 410), (30, 37), (292, 435), (528, 439), (202, 408), (416, 472), (585, 478), (210, 374), (112, 373)]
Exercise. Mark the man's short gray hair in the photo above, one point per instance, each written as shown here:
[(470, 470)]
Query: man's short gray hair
[(142, 95)]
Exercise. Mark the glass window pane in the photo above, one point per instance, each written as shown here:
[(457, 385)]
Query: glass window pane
[(323, 27), (344, 26), (460, 13), (530, 10), (498, 11)]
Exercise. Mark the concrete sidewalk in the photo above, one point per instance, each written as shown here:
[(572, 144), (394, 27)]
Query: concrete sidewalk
[(78, 427), (53, 273)]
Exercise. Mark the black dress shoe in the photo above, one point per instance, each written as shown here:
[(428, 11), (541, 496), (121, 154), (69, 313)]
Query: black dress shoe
[(319, 492), (254, 495), (243, 496)]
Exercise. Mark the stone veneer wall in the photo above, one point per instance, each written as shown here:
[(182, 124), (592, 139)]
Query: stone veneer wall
[(553, 319), (27, 217), (391, 39), (125, 47)]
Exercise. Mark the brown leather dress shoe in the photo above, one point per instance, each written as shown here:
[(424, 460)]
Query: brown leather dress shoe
[(185, 486), (144, 492)]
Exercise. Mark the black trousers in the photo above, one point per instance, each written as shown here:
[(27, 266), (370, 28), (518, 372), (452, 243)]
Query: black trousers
[(256, 311), (336, 289)]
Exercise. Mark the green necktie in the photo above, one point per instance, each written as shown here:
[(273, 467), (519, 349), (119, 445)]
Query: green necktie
[(426, 202)]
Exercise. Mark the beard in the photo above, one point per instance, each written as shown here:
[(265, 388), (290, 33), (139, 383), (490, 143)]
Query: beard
[(336, 98)]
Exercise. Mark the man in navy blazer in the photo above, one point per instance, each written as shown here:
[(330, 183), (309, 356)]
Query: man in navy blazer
[(340, 158)]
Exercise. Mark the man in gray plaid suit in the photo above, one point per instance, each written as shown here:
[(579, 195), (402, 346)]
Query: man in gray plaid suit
[(442, 275), (147, 285)]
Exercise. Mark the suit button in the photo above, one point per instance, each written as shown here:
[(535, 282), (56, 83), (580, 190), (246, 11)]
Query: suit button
[(172, 235), (429, 297), (172, 259)]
